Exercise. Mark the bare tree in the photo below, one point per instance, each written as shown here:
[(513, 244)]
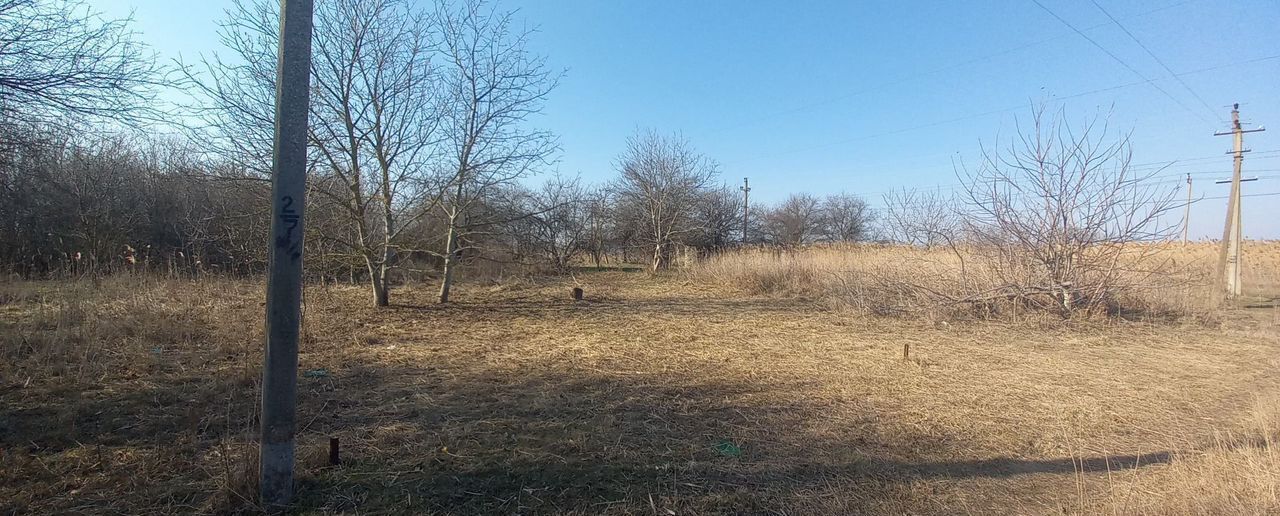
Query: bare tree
[(719, 217), (558, 225), (233, 109), (374, 115), (846, 218), (375, 125), (627, 229), (492, 85), (59, 59), (1060, 209), (923, 217), (663, 179), (600, 223), (795, 221)]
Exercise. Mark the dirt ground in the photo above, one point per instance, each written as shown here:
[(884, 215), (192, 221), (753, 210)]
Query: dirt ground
[(655, 395)]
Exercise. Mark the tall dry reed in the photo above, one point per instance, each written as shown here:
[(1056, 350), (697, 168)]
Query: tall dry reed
[(1159, 279)]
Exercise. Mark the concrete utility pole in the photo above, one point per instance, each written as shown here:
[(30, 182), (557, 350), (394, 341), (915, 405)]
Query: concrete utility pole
[(1186, 213), (284, 280), (746, 191), (1229, 256)]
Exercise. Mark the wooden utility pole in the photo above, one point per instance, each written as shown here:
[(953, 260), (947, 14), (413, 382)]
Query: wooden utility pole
[(284, 279), (746, 192), (1229, 256), (1186, 213)]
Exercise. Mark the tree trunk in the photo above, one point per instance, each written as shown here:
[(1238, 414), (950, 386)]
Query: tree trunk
[(657, 256), (450, 256), (385, 298), (381, 291), (381, 295)]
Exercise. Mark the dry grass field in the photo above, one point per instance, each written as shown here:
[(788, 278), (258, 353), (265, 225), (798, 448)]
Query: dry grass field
[(1167, 279), (683, 393)]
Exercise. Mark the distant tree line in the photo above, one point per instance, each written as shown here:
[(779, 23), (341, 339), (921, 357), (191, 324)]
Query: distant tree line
[(422, 152), (424, 146), (86, 203)]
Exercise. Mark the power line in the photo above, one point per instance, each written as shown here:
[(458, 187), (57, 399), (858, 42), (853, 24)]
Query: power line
[(909, 77), (1177, 163), (1153, 56), (1173, 204), (1150, 181), (1139, 167), (1162, 180), (1121, 61), (1228, 65), (1220, 197), (988, 113), (936, 123), (1186, 162), (1198, 199), (1169, 181), (1214, 172), (1178, 167)]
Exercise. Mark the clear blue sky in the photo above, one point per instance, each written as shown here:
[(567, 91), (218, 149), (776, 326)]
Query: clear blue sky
[(872, 95)]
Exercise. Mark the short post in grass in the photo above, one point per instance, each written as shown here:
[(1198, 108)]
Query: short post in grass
[(577, 293), (284, 276), (906, 351)]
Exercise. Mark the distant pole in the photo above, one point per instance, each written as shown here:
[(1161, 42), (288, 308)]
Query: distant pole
[(1229, 256), (1186, 213), (284, 280), (746, 192)]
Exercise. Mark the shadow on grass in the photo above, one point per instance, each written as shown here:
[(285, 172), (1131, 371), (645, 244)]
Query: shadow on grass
[(1264, 303), (1008, 467), (476, 438), (573, 441)]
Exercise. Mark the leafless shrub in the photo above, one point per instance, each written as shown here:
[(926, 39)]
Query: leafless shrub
[(1059, 213), (943, 283)]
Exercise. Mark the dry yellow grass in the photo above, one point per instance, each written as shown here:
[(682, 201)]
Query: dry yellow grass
[(1238, 474), (656, 395), (901, 279)]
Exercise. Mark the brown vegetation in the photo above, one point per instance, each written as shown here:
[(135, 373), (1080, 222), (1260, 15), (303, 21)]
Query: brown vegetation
[(1054, 357), (654, 394), (1161, 279)]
